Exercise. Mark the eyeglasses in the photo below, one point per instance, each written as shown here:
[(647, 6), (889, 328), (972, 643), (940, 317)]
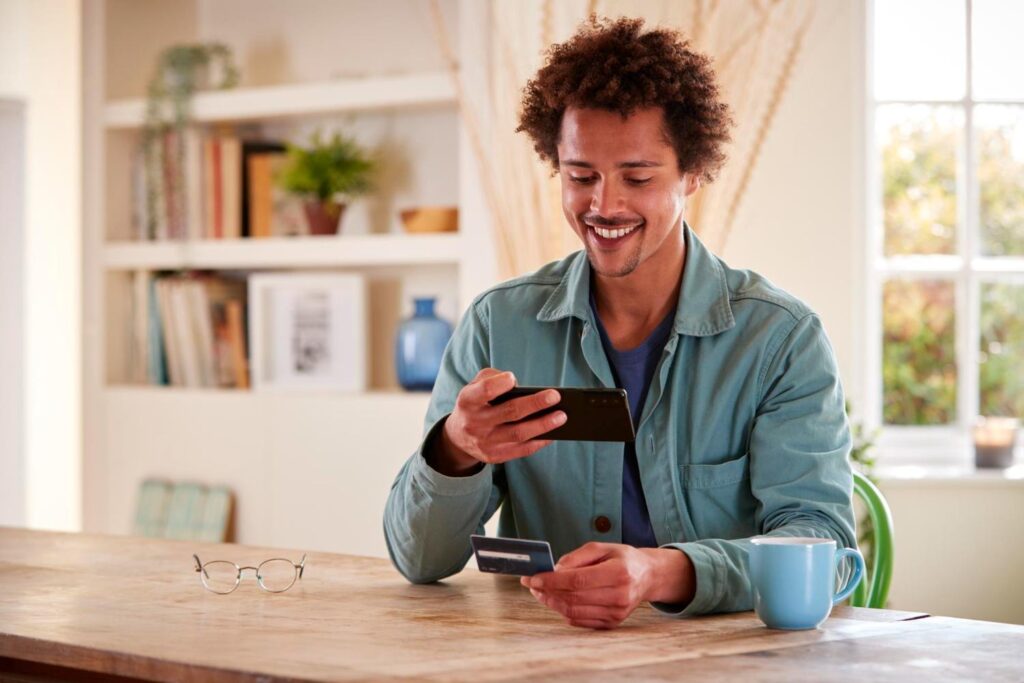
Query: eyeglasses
[(275, 575)]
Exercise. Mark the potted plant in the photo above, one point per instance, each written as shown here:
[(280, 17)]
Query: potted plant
[(326, 174)]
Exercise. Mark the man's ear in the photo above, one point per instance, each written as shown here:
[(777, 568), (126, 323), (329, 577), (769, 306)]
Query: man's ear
[(691, 183)]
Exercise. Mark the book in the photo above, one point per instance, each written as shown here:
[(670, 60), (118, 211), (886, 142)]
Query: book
[(175, 373), (211, 188), (156, 190), (171, 189), (138, 352), (140, 200), (181, 331), (193, 168), (260, 159), (157, 349), (201, 331), (262, 194), (236, 335), (231, 187), (222, 294)]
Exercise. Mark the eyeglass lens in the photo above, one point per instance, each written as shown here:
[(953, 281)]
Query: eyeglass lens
[(277, 575), (220, 576)]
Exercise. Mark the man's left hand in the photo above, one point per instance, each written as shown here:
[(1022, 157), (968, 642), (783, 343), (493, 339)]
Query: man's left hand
[(600, 584)]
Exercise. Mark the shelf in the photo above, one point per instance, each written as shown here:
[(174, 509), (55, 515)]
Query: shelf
[(302, 99), (380, 397), (285, 252)]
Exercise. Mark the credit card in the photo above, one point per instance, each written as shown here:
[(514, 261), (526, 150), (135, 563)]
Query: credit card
[(515, 556)]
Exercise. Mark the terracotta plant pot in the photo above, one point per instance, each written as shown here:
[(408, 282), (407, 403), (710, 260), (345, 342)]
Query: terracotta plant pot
[(323, 217)]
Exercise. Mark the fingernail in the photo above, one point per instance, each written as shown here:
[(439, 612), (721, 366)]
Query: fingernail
[(560, 417), (511, 377), (553, 398)]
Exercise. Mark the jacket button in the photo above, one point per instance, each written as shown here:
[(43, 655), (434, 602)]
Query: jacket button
[(602, 524)]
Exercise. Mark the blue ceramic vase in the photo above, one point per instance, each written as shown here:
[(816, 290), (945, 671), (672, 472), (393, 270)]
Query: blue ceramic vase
[(419, 347)]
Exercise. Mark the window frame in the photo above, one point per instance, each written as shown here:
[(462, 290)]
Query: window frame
[(940, 445)]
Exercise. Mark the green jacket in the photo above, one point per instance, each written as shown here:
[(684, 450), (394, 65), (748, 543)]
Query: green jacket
[(743, 431)]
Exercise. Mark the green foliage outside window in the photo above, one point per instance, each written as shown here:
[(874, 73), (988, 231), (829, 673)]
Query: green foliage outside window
[(919, 353), (919, 180), (920, 155), (1001, 354)]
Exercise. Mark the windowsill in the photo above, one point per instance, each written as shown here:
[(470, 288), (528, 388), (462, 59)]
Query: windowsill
[(910, 475), (937, 456)]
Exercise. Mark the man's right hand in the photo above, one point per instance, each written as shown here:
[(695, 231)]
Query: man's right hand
[(477, 433)]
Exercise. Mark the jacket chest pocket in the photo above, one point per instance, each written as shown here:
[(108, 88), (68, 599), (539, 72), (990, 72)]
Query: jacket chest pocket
[(719, 498)]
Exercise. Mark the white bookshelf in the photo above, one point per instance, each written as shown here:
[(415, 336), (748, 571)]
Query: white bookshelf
[(308, 470), (357, 251), (301, 99)]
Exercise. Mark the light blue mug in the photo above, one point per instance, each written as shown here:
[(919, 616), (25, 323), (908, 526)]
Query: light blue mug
[(794, 579)]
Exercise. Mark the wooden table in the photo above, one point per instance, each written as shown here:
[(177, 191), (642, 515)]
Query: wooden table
[(134, 607)]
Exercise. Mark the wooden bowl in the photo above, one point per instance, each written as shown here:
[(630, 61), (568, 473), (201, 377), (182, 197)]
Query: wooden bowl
[(431, 219)]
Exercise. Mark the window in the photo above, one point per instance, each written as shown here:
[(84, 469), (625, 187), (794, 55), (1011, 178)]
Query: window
[(946, 212)]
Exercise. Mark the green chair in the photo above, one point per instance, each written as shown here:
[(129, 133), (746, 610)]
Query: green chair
[(874, 589)]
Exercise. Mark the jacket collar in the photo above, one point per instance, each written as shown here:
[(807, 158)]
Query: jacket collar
[(703, 308)]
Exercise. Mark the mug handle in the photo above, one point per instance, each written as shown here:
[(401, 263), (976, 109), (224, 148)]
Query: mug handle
[(858, 572)]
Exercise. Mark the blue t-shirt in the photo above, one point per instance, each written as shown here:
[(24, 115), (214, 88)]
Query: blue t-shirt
[(633, 370)]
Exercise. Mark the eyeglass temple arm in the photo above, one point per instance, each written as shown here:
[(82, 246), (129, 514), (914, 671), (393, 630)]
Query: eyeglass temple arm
[(199, 566), (302, 565)]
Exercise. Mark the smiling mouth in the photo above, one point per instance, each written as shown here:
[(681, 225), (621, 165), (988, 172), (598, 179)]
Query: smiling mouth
[(613, 233)]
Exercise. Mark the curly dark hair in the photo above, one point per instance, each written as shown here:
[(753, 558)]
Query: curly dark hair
[(615, 65)]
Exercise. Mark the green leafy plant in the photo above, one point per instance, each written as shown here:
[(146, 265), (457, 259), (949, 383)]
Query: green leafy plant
[(180, 71), (327, 169)]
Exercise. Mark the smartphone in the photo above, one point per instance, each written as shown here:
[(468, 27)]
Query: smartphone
[(593, 414)]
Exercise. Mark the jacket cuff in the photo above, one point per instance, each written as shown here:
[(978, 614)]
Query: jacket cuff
[(439, 484), (710, 576)]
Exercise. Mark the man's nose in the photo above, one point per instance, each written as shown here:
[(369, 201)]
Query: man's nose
[(606, 198)]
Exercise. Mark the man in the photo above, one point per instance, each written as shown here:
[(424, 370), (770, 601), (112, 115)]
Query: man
[(738, 407)]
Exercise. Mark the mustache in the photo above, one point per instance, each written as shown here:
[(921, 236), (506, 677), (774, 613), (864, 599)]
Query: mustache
[(596, 219)]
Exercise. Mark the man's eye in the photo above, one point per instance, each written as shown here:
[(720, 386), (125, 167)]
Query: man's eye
[(638, 181), (582, 180)]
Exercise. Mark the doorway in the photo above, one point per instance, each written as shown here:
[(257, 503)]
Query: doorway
[(12, 312)]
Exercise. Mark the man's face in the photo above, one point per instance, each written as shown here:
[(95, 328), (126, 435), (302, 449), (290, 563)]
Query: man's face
[(622, 191)]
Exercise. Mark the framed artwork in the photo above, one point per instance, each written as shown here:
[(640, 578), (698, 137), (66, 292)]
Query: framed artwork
[(307, 332)]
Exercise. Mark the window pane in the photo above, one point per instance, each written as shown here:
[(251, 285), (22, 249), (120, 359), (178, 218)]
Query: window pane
[(918, 352), (919, 148), (1001, 369), (999, 131), (920, 49), (998, 49)]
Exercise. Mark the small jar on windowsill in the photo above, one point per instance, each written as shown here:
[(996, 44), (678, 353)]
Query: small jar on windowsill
[(994, 441)]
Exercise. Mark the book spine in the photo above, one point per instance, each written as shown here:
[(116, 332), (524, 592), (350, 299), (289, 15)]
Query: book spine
[(218, 191), (175, 374), (193, 184), (236, 337), (157, 344)]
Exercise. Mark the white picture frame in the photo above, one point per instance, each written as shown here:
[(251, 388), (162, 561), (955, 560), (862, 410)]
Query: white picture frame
[(307, 333)]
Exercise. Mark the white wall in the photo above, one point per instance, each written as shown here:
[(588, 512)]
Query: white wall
[(799, 222), (959, 547), (39, 64)]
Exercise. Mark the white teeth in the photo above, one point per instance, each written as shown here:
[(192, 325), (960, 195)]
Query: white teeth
[(613, 234)]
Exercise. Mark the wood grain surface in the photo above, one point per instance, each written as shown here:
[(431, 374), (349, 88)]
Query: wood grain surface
[(134, 607)]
